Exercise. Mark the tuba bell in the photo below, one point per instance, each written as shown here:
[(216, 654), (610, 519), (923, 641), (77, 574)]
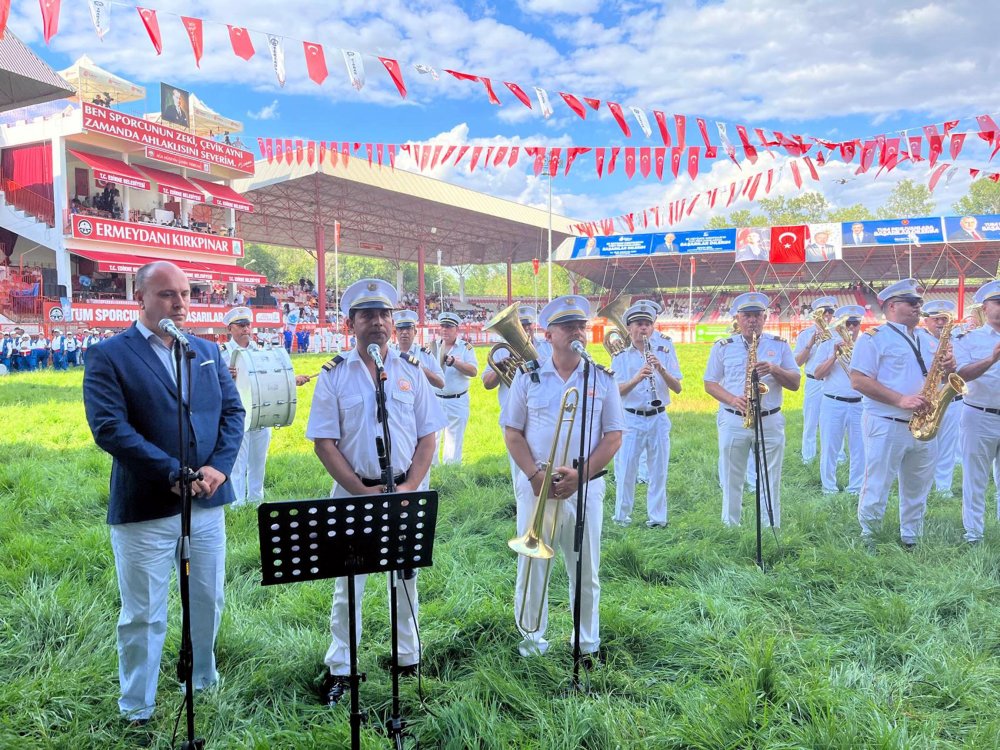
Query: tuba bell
[(518, 345), (616, 339)]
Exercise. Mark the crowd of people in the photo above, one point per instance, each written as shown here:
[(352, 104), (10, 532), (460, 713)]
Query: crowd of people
[(24, 352)]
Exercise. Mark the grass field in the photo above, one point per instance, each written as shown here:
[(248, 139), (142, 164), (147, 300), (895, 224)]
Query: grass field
[(830, 648)]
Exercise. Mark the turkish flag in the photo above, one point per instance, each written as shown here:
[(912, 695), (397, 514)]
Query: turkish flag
[(263, 149), (392, 156), (514, 153), (691, 204), (703, 128), (661, 123), (519, 93), (50, 17), (462, 151), (599, 161), (812, 167), (754, 184), (675, 159), (299, 151), (645, 160), (847, 149), (554, 161), (732, 194), (572, 153), (289, 151), (748, 148), (796, 176), (594, 104), (630, 161), (950, 125), (629, 220), (4, 15), (988, 130), (315, 62), (693, 162), (935, 146), (321, 155), (867, 156), (152, 27), (269, 145), (310, 152), (395, 73), (278, 152), (788, 244), (193, 27), (446, 155), (501, 154), (660, 154), (333, 153), (239, 37), (434, 156), (614, 158), (914, 143), (955, 144), (379, 150), (937, 176), (477, 151), (574, 104), (489, 156), (616, 112), (680, 123), (539, 154)]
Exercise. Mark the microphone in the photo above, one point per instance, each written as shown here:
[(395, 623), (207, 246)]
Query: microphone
[(579, 348), (376, 354), (170, 328)]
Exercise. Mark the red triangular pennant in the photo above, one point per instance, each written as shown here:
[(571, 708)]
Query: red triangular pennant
[(395, 73), (692, 162), (629, 161), (574, 104), (193, 27), (645, 160), (50, 17), (239, 37), (519, 93), (661, 123), (616, 112), (315, 62), (152, 28)]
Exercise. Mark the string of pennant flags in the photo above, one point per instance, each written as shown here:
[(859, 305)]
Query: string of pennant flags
[(891, 145)]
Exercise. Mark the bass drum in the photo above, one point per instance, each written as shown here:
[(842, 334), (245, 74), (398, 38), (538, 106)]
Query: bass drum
[(266, 383)]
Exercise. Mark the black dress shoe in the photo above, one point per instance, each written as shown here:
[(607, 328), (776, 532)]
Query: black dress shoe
[(909, 546), (410, 670), (591, 661), (334, 687)]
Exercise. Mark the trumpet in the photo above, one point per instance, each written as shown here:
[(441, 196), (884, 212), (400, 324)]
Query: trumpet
[(616, 338), (516, 343), (532, 543), (655, 401)]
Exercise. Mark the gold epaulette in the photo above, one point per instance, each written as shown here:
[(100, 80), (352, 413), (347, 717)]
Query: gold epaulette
[(774, 338), (608, 370), (407, 357), (467, 345), (723, 342), (328, 366), (425, 350), (872, 331)]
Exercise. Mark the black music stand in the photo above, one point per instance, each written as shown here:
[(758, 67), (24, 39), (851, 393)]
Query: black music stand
[(309, 540)]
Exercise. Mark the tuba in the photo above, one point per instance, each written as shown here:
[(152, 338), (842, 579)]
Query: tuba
[(925, 423), (616, 339), (847, 350), (518, 345), (819, 318), (532, 543)]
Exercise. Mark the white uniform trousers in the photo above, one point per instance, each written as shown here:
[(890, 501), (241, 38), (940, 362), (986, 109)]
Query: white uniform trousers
[(248, 471), (891, 452), (450, 439), (980, 452), (810, 417), (145, 553), (948, 445), (338, 655), (735, 448), (836, 419), (652, 436), (538, 595)]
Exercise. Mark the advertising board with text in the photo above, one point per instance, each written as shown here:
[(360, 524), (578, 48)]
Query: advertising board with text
[(153, 235), (122, 314)]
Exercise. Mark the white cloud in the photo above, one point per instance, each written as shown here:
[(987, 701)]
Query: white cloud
[(267, 112), (565, 7)]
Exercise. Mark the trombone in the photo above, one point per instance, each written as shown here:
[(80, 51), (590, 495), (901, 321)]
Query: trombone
[(531, 544)]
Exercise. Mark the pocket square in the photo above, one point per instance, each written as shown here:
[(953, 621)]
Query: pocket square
[(207, 362)]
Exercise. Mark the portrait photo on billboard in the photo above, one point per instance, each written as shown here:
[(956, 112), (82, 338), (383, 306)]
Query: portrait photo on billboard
[(753, 243), (175, 105)]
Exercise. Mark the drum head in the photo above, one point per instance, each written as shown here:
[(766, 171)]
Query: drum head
[(265, 381)]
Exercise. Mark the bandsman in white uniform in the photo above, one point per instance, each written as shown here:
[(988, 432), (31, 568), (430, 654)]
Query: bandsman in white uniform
[(840, 409), (491, 381), (936, 314), (645, 375), (888, 368), (72, 349), (248, 472), (806, 345), (458, 361), (977, 353), (725, 381), (656, 339), (58, 346), (343, 425), (531, 417), (405, 323)]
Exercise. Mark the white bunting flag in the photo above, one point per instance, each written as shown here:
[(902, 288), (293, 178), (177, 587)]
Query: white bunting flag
[(425, 70), (640, 117), (543, 101), (727, 145), (100, 12), (355, 68), (277, 57)]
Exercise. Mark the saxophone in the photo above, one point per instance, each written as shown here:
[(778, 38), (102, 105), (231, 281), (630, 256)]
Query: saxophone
[(748, 381), (924, 423)]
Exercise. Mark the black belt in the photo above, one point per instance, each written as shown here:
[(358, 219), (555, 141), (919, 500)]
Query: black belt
[(376, 482), (811, 377), (896, 419), (983, 408), (957, 398), (647, 412), (763, 413), (844, 399), (453, 395)]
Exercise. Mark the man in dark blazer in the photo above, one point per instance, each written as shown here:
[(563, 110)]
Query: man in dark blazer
[(130, 395)]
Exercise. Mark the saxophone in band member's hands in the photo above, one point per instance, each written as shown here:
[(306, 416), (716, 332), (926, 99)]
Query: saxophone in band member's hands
[(925, 423), (762, 388)]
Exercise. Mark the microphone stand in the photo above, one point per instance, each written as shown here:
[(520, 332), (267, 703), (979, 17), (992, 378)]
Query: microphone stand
[(186, 475), (383, 444)]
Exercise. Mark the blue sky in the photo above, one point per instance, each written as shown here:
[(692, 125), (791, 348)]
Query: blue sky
[(835, 70)]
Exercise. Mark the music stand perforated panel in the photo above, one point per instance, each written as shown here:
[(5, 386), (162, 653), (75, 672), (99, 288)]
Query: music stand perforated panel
[(307, 540)]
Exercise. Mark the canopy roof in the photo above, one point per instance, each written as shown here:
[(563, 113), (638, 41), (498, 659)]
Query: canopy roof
[(25, 79), (90, 80), (389, 214)]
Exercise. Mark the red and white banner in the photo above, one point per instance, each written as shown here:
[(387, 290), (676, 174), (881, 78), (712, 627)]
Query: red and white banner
[(121, 314), (139, 236), (165, 139)]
